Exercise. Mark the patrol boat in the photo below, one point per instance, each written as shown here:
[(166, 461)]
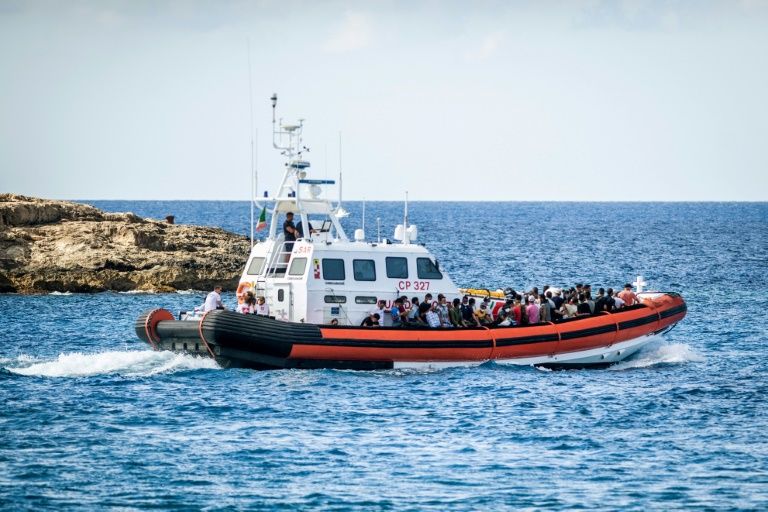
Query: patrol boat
[(322, 285)]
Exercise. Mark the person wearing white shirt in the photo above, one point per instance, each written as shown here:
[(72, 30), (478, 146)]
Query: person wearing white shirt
[(385, 318), (213, 300), (261, 307)]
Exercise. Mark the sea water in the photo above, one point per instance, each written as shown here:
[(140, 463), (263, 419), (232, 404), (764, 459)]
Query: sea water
[(91, 419)]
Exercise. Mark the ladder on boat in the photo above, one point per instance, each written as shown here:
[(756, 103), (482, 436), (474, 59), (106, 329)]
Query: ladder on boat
[(278, 261)]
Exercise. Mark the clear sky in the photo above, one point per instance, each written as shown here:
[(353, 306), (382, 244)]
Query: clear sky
[(508, 100)]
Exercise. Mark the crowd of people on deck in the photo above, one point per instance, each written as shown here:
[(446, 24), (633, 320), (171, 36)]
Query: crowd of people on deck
[(528, 308), (533, 307)]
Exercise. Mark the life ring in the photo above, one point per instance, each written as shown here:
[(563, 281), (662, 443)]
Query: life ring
[(243, 287)]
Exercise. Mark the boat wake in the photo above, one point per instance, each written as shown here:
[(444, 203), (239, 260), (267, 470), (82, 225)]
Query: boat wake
[(660, 354), (128, 363)]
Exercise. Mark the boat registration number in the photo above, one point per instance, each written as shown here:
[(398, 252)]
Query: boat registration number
[(413, 285)]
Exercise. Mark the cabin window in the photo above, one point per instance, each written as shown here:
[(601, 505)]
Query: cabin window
[(397, 268), (298, 266), (426, 269), (335, 299), (333, 269), (255, 266), (280, 295), (365, 300), (365, 270)]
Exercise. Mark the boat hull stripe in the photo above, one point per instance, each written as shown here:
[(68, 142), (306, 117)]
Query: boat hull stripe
[(340, 342), (523, 340), (583, 333), (682, 308), (637, 322)]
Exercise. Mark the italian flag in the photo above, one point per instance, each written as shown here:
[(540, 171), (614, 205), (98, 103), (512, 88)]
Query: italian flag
[(262, 219)]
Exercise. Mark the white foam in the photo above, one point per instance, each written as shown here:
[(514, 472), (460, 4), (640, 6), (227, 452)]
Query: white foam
[(130, 363), (63, 294), (138, 292), (661, 354)]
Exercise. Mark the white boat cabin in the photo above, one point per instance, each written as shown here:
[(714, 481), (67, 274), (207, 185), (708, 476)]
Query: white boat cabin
[(323, 275)]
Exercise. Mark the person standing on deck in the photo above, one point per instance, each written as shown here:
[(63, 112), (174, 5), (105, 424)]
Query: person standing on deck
[(532, 310), (289, 232), (545, 310)]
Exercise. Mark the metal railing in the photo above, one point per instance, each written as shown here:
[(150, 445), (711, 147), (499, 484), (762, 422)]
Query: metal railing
[(278, 260)]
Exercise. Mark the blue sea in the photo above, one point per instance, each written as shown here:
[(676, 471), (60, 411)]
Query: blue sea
[(92, 419)]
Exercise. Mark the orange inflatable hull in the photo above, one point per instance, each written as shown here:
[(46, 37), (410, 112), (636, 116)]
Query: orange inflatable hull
[(259, 342)]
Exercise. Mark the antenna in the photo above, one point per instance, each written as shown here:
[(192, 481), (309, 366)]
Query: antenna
[(406, 237), (378, 229), (363, 226), (340, 211), (274, 131), (253, 159), (339, 169)]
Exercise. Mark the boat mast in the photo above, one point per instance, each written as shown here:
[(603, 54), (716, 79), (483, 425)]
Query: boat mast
[(290, 196), (254, 185), (340, 212)]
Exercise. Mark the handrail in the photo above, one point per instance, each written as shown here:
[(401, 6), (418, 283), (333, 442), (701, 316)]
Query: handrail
[(274, 264)]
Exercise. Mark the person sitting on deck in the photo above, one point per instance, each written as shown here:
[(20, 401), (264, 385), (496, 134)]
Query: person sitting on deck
[(413, 313), (610, 301), (482, 315), (628, 296), (505, 319), (468, 312), (431, 316), (583, 307), (248, 307), (421, 316), (371, 320), (454, 312), (600, 301), (557, 299), (381, 309), (213, 300), (398, 313), (261, 306), (569, 309), (507, 307), (442, 311)]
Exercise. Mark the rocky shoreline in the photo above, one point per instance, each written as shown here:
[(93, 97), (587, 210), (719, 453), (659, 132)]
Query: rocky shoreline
[(60, 246)]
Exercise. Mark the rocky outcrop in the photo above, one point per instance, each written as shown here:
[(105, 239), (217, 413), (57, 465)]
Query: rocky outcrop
[(48, 245)]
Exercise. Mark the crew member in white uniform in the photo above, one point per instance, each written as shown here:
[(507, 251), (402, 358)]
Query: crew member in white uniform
[(213, 300)]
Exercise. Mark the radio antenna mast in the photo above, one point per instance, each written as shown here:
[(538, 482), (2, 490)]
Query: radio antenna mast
[(340, 211), (254, 184)]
